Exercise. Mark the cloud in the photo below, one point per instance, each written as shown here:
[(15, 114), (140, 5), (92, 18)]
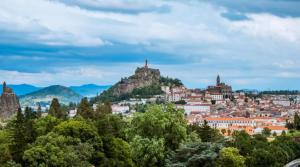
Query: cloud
[(65, 76), (119, 6), (281, 8), (271, 27), (192, 40)]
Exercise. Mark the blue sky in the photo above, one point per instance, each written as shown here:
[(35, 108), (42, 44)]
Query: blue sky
[(251, 44)]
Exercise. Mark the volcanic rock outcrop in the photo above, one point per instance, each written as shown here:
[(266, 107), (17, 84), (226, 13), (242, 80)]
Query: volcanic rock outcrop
[(144, 76), (9, 103)]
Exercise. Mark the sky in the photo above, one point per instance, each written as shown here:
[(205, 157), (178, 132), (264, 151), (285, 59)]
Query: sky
[(250, 44)]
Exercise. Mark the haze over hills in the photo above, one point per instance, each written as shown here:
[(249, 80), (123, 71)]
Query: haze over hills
[(88, 90), (44, 96), (22, 89)]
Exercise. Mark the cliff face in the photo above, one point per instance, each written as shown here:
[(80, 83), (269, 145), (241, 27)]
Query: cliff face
[(143, 77), (9, 103)]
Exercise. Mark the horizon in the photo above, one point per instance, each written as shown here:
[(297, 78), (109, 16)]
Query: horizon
[(249, 46)]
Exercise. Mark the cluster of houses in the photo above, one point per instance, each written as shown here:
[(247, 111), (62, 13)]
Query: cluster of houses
[(224, 109)]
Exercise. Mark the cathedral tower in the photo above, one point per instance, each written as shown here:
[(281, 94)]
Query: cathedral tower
[(218, 80)]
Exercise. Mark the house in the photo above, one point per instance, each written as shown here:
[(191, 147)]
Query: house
[(203, 109), (119, 109), (220, 123)]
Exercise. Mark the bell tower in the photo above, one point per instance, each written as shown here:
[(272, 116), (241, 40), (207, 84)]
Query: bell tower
[(218, 80)]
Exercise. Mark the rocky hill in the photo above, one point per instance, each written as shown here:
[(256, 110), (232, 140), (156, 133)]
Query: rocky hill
[(145, 82), (9, 103), (44, 96)]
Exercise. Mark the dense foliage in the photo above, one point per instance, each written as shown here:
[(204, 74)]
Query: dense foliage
[(159, 136), (144, 92), (166, 81)]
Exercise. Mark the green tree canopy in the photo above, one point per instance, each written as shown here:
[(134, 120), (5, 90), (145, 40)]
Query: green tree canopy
[(205, 132), (148, 152), (266, 132), (84, 109), (57, 150), (230, 157), (44, 125), (195, 154), (103, 109), (160, 121), (56, 110)]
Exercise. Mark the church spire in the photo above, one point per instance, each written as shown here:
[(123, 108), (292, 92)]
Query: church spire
[(218, 80)]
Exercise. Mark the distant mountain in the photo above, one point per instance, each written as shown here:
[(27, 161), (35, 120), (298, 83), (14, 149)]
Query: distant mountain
[(89, 90), (44, 96), (22, 89)]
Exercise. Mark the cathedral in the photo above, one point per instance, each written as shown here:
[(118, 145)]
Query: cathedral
[(220, 88)]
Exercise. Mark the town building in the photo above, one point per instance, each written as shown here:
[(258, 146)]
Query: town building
[(220, 89)]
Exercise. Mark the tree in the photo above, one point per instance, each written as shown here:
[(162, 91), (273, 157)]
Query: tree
[(56, 111), (103, 109), (160, 121), (296, 121), (30, 117), (274, 134), (39, 111), (44, 125), (18, 141), (117, 152), (81, 129), (242, 141), (5, 154), (84, 109), (148, 152), (195, 154), (266, 132), (86, 132), (206, 133), (260, 158), (112, 125), (230, 157), (288, 144), (57, 150), (283, 133)]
